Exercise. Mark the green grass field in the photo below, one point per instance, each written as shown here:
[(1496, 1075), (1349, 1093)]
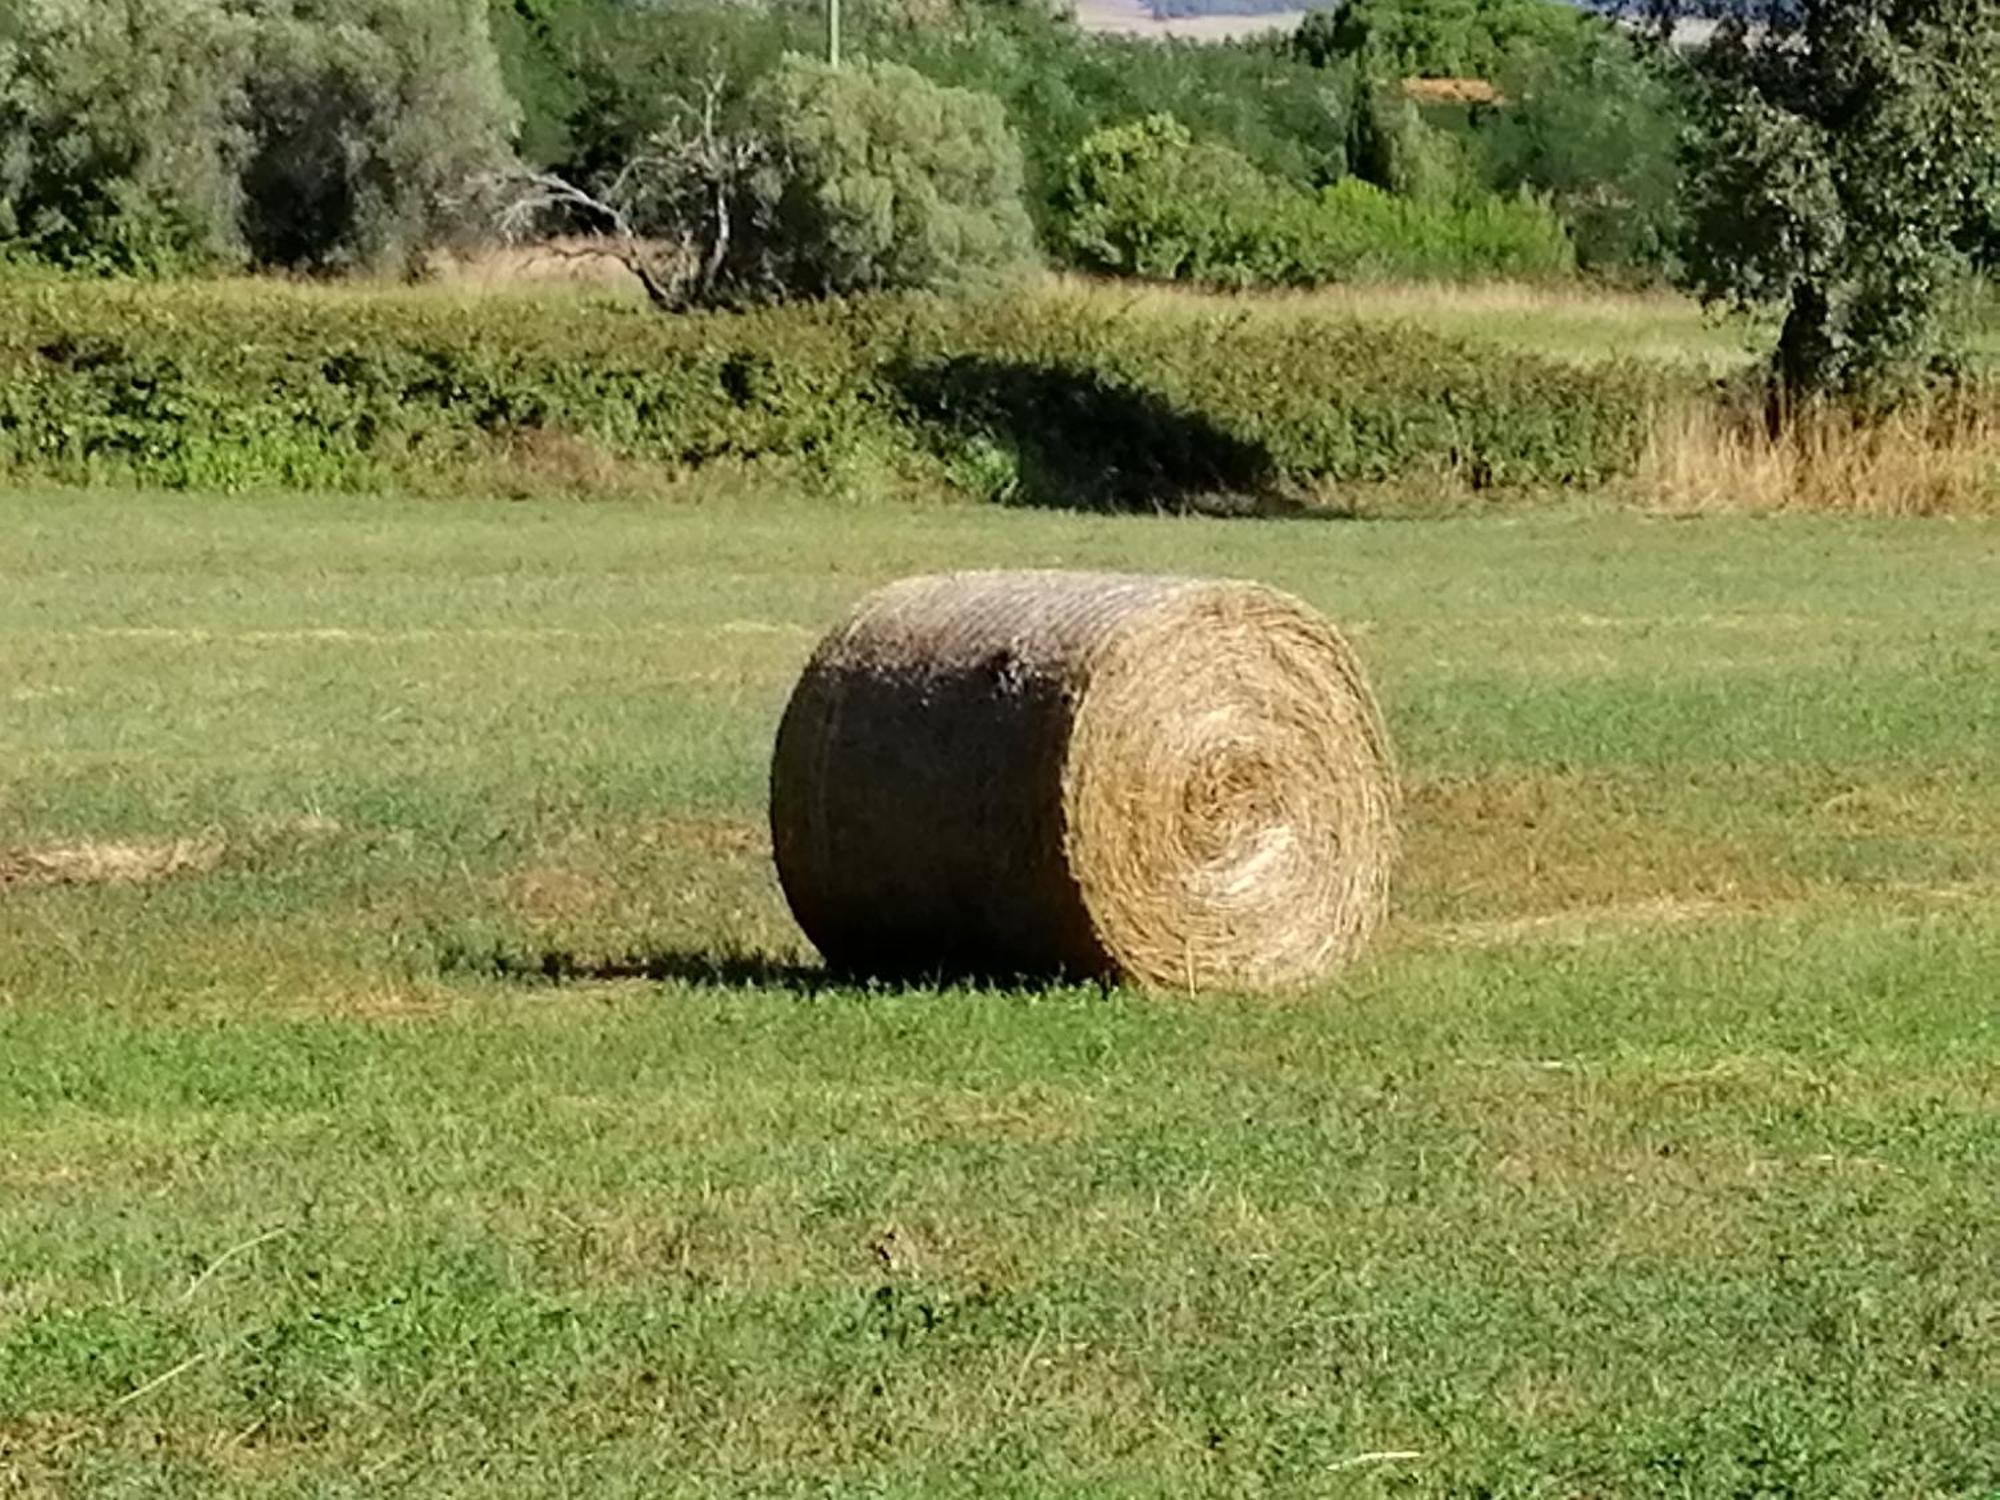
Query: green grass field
[(1656, 1151)]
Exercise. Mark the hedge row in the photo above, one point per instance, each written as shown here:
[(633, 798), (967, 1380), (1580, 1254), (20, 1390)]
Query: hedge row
[(1063, 398)]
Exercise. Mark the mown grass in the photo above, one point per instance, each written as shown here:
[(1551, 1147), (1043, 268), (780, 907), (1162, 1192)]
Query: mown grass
[(1656, 1152)]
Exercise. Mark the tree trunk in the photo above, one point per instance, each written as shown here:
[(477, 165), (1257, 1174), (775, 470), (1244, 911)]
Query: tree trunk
[(1804, 366)]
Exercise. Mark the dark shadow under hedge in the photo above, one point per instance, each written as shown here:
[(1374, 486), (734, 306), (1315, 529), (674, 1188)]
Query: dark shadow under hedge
[(1075, 440)]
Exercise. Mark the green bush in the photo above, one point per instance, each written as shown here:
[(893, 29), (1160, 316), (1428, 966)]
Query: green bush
[(1147, 200), (164, 135), (367, 119), (880, 180), (1140, 410), (1060, 85), (595, 79), (1359, 231), (1050, 399), (1589, 127), (120, 135), (1393, 148)]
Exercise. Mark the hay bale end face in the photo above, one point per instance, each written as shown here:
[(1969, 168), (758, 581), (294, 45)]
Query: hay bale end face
[(1176, 782)]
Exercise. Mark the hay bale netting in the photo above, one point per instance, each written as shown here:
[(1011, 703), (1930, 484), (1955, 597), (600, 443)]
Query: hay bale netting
[(1178, 782)]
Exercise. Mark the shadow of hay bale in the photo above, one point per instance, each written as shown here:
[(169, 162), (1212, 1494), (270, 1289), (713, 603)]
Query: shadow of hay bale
[(717, 970), (1045, 435), (720, 970)]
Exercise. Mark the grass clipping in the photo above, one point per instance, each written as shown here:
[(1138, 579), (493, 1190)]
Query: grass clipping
[(1180, 783)]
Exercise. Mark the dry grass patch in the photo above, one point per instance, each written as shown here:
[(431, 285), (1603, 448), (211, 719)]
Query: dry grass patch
[(546, 893), (1568, 319), (1938, 459), (571, 263), (642, 900), (1575, 1163), (1527, 847), (1586, 924), (44, 1469), (1666, 1184), (1404, 300), (1030, 1115), (540, 462), (736, 1241), (105, 863), (29, 1447), (739, 838), (381, 1003), (1569, 859)]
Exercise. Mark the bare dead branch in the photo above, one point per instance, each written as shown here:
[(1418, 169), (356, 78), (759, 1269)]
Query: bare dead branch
[(668, 214)]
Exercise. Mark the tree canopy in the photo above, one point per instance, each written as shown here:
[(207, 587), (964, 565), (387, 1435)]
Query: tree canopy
[(1846, 166)]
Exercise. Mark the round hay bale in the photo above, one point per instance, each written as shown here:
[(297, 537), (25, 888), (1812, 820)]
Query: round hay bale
[(1173, 781)]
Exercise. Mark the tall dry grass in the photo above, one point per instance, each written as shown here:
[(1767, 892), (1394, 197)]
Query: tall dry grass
[(1941, 457), (1575, 321)]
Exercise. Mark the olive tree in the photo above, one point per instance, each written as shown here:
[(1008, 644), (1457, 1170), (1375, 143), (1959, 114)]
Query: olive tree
[(1846, 151), (148, 135), (367, 119), (120, 133), (879, 179), (668, 213), (821, 182)]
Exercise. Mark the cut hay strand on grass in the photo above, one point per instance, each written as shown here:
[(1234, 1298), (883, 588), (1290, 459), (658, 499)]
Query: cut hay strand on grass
[(109, 863), (1171, 781)]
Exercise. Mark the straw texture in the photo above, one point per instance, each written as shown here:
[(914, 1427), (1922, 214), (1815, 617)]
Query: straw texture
[(1171, 781)]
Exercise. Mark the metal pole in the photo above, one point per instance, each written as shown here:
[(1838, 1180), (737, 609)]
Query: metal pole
[(833, 32)]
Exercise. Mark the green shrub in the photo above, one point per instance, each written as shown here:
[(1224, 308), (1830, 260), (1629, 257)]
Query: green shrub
[(1162, 410), (163, 135), (367, 119), (1391, 147), (1359, 231), (120, 136), (1147, 200), (597, 79), (1589, 119), (1589, 125), (1061, 84), (881, 181), (1051, 399)]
